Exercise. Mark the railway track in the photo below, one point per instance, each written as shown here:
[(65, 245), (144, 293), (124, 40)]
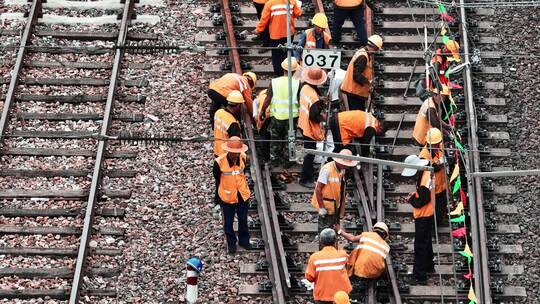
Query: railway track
[(63, 186), (478, 118)]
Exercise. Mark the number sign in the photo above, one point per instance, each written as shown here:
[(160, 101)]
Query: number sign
[(321, 58)]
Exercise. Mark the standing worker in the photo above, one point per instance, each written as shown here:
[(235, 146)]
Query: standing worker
[(278, 100), (357, 85), (441, 60), (433, 152), (226, 122), (350, 125), (220, 88), (422, 203), (233, 191), (316, 37), (354, 10), (274, 15), (311, 116), (429, 116), (329, 195), (265, 35), (326, 268), (366, 261)]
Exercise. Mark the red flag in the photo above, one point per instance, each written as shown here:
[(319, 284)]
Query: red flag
[(468, 275), (463, 197), (447, 18), (460, 232), (453, 85)]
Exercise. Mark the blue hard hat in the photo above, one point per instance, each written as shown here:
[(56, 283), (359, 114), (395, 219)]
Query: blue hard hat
[(195, 263)]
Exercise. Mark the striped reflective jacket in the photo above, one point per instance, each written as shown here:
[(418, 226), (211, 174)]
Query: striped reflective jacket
[(367, 258), (326, 268), (279, 106)]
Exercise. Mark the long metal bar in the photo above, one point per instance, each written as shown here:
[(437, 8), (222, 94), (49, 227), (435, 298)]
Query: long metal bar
[(261, 192), (478, 229), (100, 156), (370, 160), (505, 173), (35, 10), (292, 131)]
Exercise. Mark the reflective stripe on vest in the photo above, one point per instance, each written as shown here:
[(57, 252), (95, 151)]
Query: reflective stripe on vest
[(381, 250), (349, 85), (369, 121), (233, 180), (279, 106), (222, 122), (278, 9), (328, 261), (311, 39), (427, 209), (341, 260), (332, 190)]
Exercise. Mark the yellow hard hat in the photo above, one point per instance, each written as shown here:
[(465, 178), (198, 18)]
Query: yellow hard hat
[(341, 297), (376, 40), (285, 64), (433, 136), (320, 20), (235, 97), (381, 225), (252, 76)]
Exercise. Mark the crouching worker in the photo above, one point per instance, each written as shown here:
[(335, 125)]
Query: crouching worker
[(366, 261), (326, 269), (233, 191)]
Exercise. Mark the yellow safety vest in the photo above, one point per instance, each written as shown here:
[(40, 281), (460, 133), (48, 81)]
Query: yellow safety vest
[(279, 106)]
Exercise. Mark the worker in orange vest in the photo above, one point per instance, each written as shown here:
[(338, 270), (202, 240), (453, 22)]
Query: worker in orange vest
[(367, 259), (265, 35), (422, 202), (433, 152), (329, 195), (226, 122), (316, 37), (310, 119), (357, 85), (274, 15), (354, 10), (233, 191), (441, 60), (429, 116), (326, 269), (220, 88), (350, 125)]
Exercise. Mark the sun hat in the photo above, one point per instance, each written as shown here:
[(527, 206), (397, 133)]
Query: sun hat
[(413, 160), (314, 76), (234, 145), (346, 162)]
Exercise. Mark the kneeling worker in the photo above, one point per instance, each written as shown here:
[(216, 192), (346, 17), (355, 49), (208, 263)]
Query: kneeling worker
[(219, 90), (366, 261), (326, 268), (233, 191)]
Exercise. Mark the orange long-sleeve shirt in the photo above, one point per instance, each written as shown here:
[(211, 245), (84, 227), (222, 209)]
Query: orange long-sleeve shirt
[(274, 15)]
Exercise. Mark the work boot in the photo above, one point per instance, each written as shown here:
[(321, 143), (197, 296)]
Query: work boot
[(231, 249), (307, 184), (246, 246)]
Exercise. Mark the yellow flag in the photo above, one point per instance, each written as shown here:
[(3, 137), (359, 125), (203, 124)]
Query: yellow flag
[(472, 296), (468, 250), (443, 29), (455, 173), (458, 209)]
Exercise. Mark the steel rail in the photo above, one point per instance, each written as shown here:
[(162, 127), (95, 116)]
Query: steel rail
[(273, 248), (96, 185), (476, 207), (35, 10)]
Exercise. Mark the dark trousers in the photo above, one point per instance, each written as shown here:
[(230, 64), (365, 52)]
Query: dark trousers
[(423, 248), (336, 135), (265, 36), (307, 166), (355, 102), (279, 131), (264, 133), (218, 101), (441, 208), (357, 17), (241, 211), (278, 55)]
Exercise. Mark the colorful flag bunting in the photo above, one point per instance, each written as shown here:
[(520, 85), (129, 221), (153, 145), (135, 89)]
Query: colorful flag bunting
[(472, 296), (455, 172), (460, 232), (458, 210), (459, 146), (445, 40), (468, 275), (463, 197), (467, 253), (459, 219), (441, 8), (457, 185)]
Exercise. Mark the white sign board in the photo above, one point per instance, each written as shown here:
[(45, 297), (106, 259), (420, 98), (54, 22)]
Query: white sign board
[(322, 58)]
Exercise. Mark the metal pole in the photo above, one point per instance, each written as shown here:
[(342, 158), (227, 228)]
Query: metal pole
[(504, 173), (369, 160), (292, 152)]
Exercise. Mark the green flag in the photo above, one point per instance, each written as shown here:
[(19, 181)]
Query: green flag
[(459, 219), (467, 253), (459, 146), (445, 39), (441, 8), (457, 185)]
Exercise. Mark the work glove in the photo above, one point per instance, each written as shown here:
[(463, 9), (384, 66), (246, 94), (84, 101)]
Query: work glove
[(323, 212)]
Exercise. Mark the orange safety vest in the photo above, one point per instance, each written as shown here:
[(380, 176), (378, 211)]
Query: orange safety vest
[(234, 82), (326, 268), (274, 15), (427, 209), (440, 176), (233, 180), (311, 41), (367, 258), (311, 129), (352, 124), (222, 121), (422, 125), (332, 190), (260, 100), (347, 3), (352, 87)]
